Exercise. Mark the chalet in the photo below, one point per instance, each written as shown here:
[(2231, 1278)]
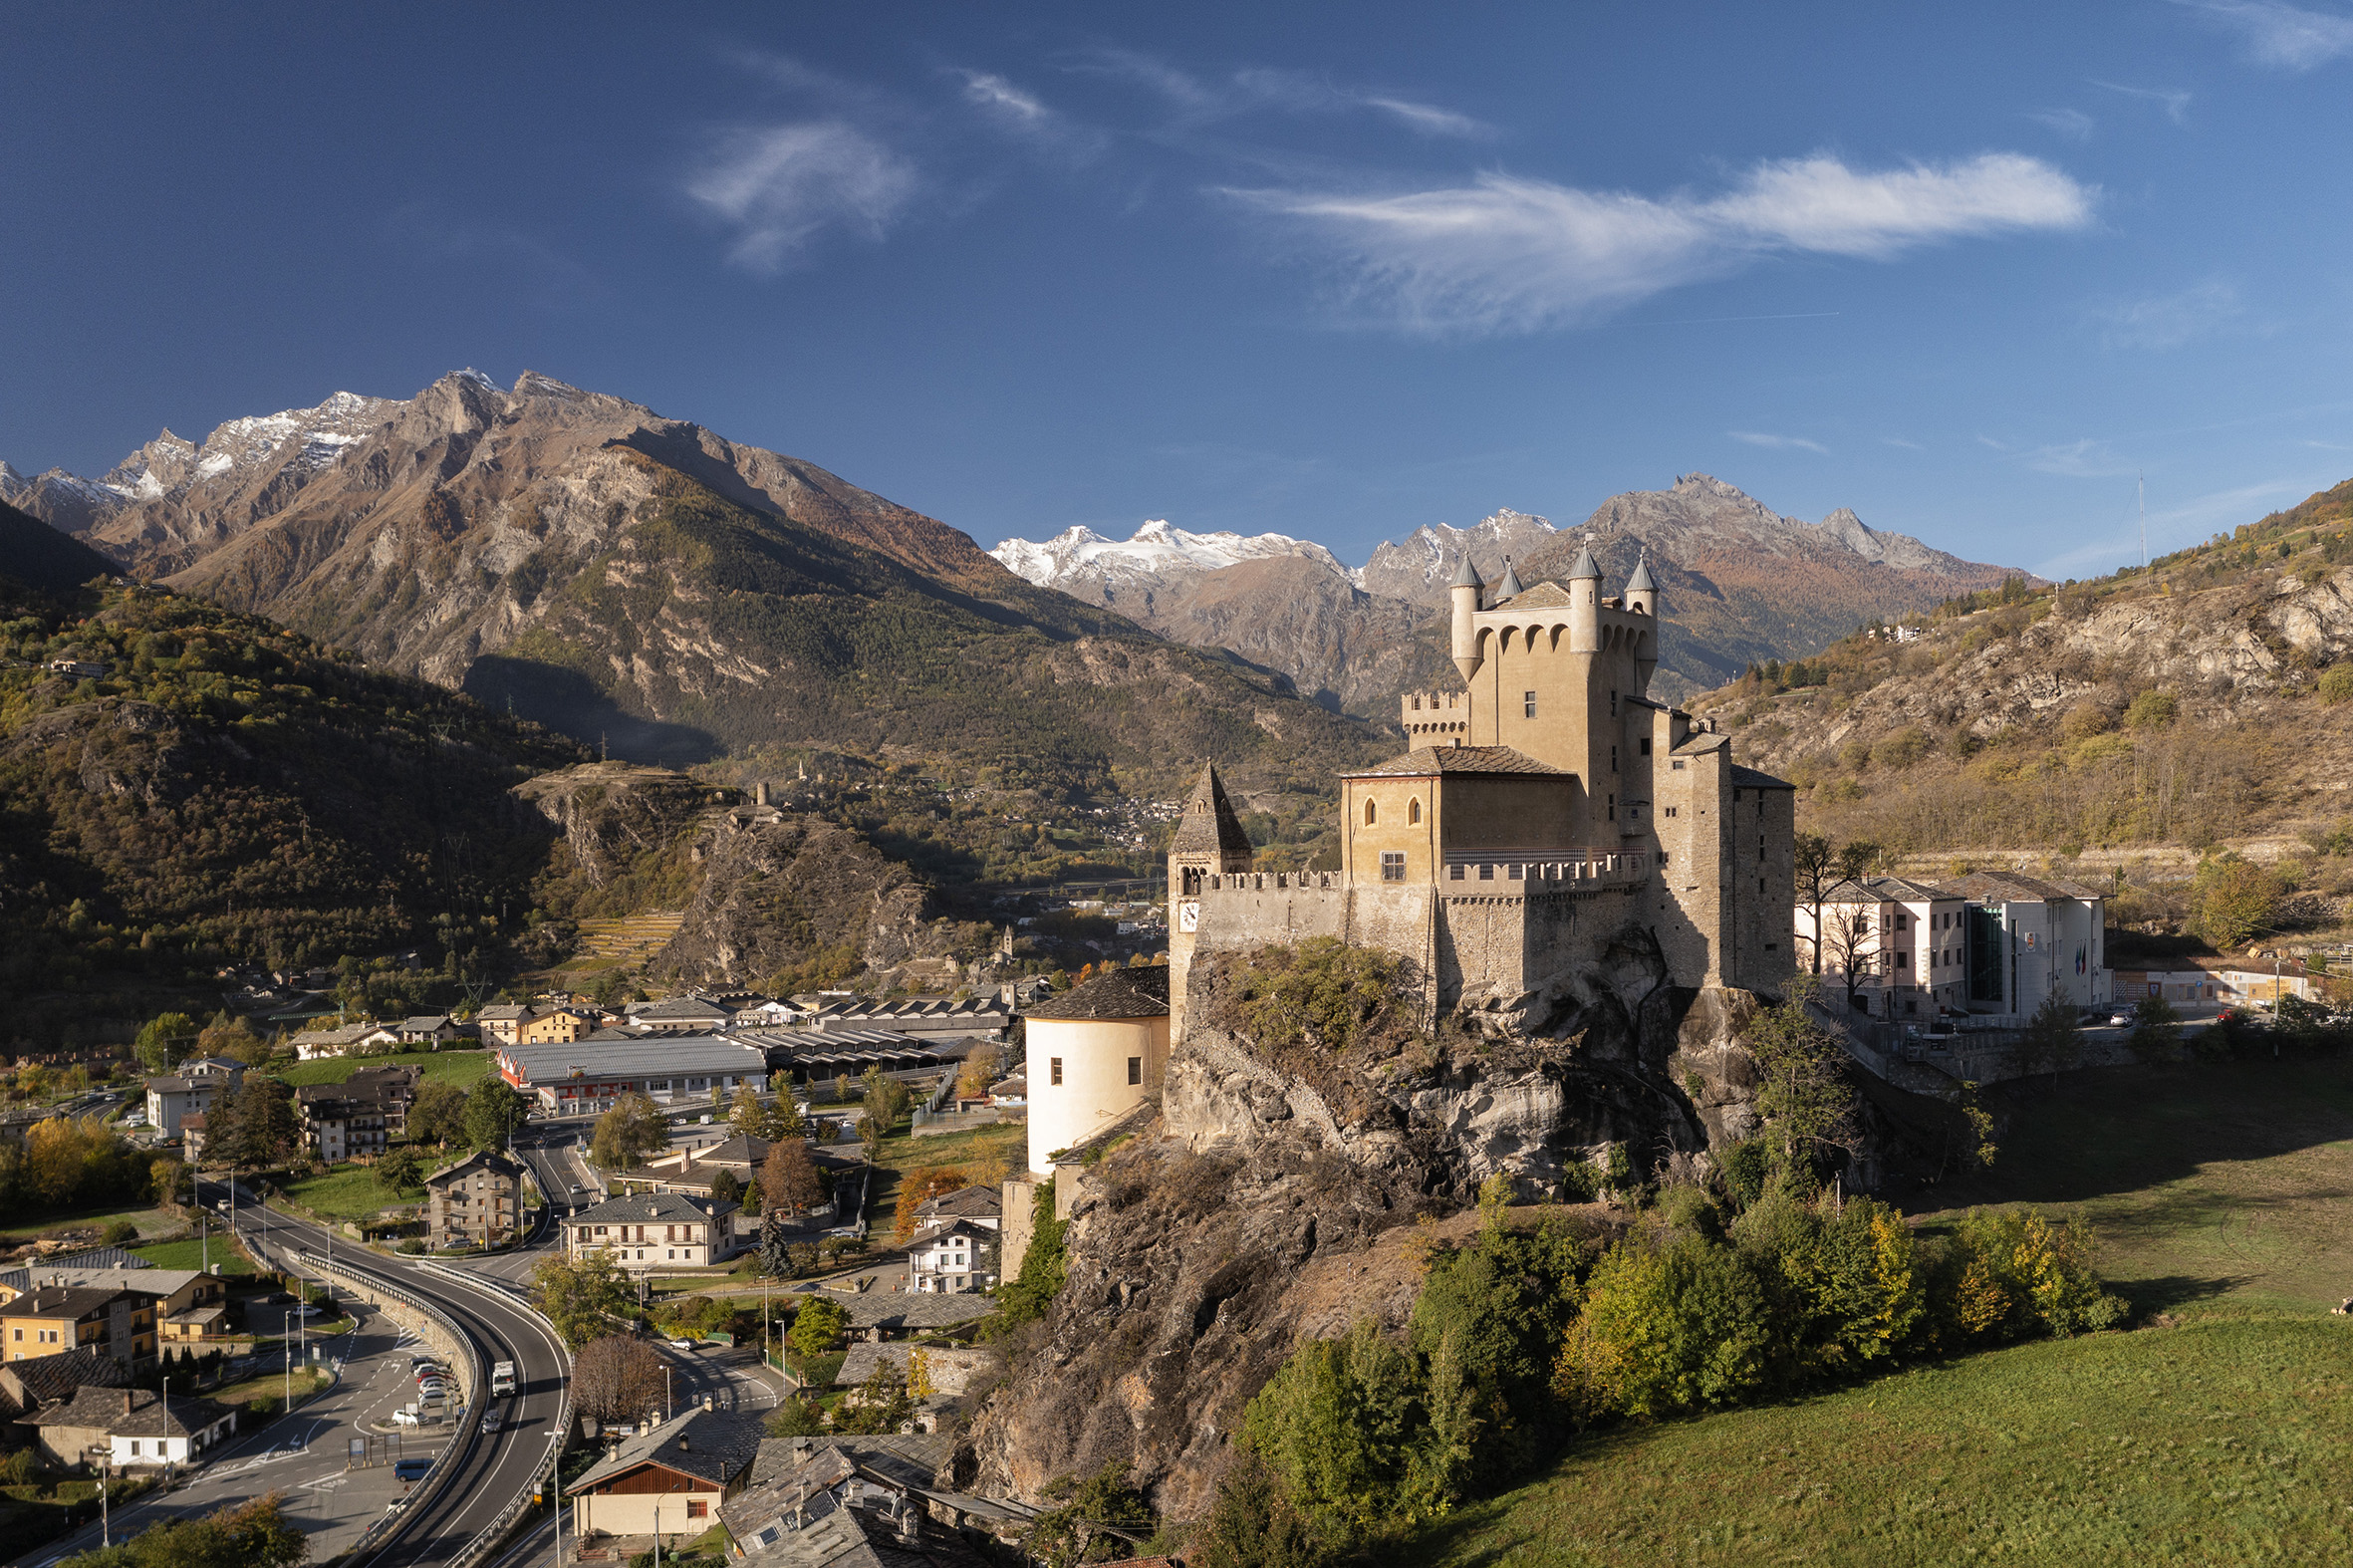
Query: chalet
[(311, 1045), (982, 1205), (430, 1029), (670, 1484), (953, 1257), (500, 1024)]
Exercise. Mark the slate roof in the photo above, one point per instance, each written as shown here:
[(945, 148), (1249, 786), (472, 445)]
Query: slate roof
[(1140, 992), (1427, 760), (67, 1304), (740, 1149), (1750, 778), (102, 1409), (843, 1502), (967, 1202), (1641, 580), (1886, 889), (147, 1281), (895, 1310), (1209, 825), (2014, 888), (713, 1445), (960, 1225), (1465, 574), (1544, 596), (649, 1208), (46, 1378), (487, 1160)]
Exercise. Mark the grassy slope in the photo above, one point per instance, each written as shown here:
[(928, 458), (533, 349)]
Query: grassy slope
[(223, 1254), (347, 1192), (462, 1068), (2223, 1199)]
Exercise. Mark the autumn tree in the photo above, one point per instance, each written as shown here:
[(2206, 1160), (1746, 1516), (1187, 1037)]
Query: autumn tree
[(2236, 902), (255, 1534), (749, 1115), (616, 1378), (977, 1073), (789, 1180), (815, 1328), (919, 1188)]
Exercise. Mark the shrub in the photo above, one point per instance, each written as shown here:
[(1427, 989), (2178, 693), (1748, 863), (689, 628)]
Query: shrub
[(2020, 1274), (1901, 750), (1667, 1329), (2336, 684), (1323, 992), (2151, 710), (2084, 720), (118, 1232)]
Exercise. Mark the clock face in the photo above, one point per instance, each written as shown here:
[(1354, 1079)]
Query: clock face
[(1189, 917)]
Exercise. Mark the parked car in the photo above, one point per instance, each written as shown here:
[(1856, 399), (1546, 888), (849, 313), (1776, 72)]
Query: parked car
[(407, 1418), (2120, 1020), (409, 1471), (681, 1344), (432, 1391)]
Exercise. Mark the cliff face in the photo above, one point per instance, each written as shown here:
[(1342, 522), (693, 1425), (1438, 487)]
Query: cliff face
[(1275, 1195)]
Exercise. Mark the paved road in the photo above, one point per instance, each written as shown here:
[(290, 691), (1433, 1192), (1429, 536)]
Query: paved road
[(302, 1455), (490, 1467)]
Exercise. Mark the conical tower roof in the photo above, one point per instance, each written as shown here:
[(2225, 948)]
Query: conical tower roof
[(1640, 582), (1465, 574), (1509, 586), (1210, 825), (1585, 566)]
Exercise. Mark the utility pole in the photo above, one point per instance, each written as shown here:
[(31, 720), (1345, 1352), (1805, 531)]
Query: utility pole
[(2141, 484)]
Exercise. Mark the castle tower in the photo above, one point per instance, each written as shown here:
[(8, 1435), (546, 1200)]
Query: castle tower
[(1209, 842), (1464, 591), (1642, 597), (1509, 588)]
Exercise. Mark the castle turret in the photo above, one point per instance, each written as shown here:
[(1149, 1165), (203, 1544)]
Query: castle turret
[(1509, 588), (1585, 604), (1641, 593), (1209, 842), (1464, 591)]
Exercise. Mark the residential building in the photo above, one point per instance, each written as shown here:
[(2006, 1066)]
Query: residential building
[(982, 1205), (49, 1320), (862, 1502), (1096, 1052), (2027, 938), (1896, 946), (173, 1097), (953, 1257), (475, 1202), (186, 1303), (359, 1118), (134, 1428), (501, 1023), (669, 1482), (430, 1029), (311, 1045), (26, 1386), (652, 1231), (764, 1013), (588, 1076), (555, 1026), (195, 1130)]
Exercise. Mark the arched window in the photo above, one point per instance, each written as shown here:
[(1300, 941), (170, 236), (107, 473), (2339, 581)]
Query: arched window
[(1368, 813), (1413, 811)]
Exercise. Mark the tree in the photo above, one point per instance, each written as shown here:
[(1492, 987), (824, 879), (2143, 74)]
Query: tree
[(616, 1377), (163, 1039), (262, 1129), (582, 1296), (1849, 941), (978, 1071), (2050, 1042), (437, 1114), (493, 1108), (256, 1534), (919, 1188), (776, 1247), (815, 1328), (887, 1099), (2157, 1027), (399, 1170), (786, 1121), (1802, 1092), (789, 1182), (1818, 879), (167, 1179), (726, 1188), (2236, 903), (627, 1134)]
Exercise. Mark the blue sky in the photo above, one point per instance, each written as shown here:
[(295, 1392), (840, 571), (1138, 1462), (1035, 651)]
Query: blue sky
[(1331, 271)]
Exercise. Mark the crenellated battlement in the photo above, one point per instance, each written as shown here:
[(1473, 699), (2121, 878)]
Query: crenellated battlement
[(1436, 717)]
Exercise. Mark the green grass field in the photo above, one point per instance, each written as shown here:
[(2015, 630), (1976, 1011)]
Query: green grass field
[(227, 1254), (30, 1222), (2222, 1195), (462, 1068), (1007, 1144), (347, 1192)]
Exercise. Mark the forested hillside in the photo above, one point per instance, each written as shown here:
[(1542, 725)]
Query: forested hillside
[(2192, 708), (229, 791)]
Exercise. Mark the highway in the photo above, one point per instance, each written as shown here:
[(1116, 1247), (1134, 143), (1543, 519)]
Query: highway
[(490, 1469)]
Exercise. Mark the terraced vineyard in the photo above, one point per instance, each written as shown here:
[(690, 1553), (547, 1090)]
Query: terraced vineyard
[(626, 942)]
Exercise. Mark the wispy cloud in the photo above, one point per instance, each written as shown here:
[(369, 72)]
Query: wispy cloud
[(779, 186), (1988, 441), (1510, 254), (2084, 459), (1430, 119), (2281, 35), (1897, 440), (2167, 321), (1778, 442), (2176, 104), (1024, 114), (2066, 122)]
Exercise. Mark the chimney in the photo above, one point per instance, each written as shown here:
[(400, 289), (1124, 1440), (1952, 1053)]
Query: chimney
[(126, 1402), (911, 1523)]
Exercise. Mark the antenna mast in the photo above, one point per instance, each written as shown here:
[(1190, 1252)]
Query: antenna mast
[(2140, 483)]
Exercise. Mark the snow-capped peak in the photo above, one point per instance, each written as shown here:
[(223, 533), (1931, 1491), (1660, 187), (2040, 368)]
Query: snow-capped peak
[(1156, 549)]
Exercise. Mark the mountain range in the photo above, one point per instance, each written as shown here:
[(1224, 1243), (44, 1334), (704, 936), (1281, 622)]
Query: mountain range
[(1742, 584), (652, 588)]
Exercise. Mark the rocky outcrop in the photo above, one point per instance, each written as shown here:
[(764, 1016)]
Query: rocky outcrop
[(1273, 1198)]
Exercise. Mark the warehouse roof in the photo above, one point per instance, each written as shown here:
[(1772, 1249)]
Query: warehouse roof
[(653, 1055)]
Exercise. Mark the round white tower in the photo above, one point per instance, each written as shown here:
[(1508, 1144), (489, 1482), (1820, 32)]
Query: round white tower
[(1096, 1052)]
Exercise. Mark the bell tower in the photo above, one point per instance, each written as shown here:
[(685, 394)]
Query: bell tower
[(1209, 842)]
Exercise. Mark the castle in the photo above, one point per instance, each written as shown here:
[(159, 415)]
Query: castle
[(1542, 811)]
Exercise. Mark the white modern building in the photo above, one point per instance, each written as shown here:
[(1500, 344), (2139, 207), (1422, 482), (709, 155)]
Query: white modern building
[(586, 1077), (1901, 942), (2029, 938)]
